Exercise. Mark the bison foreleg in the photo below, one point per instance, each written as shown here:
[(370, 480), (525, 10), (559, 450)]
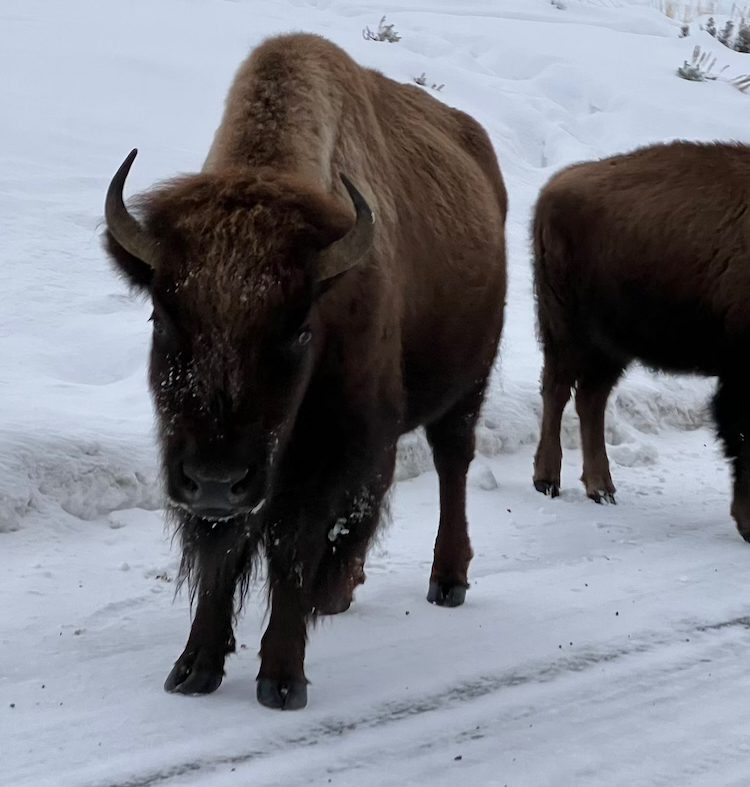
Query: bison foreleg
[(281, 679), (221, 556), (293, 563)]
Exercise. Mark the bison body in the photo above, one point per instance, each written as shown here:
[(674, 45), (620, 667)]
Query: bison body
[(333, 278), (645, 257)]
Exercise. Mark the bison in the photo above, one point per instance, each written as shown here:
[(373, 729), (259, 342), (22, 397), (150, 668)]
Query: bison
[(644, 256), (333, 278)]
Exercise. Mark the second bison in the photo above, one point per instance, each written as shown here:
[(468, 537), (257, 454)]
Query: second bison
[(645, 257)]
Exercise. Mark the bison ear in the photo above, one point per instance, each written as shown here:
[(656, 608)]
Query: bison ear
[(138, 274)]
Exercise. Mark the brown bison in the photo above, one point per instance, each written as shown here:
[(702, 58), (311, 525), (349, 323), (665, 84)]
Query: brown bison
[(333, 278), (645, 257)]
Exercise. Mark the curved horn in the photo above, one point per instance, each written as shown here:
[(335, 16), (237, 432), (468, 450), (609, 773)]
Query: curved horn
[(346, 252), (124, 228)]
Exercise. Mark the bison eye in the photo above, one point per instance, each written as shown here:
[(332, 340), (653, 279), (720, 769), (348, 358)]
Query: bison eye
[(158, 326), (304, 336)]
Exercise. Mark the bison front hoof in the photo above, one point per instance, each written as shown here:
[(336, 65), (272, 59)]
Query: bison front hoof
[(446, 594), (189, 677), (282, 694), (548, 488)]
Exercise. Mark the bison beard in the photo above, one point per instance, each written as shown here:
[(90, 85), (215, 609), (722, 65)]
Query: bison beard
[(295, 339)]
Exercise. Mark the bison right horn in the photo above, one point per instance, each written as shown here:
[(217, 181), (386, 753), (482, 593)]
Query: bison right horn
[(345, 253), (124, 228)]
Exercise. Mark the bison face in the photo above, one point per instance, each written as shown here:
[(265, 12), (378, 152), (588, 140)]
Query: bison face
[(227, 388), (234, 265)]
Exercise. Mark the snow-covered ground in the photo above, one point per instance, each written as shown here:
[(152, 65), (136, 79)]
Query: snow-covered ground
[(598, 645)]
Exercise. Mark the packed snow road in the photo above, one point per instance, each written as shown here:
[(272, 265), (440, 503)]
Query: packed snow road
[(598, 645)]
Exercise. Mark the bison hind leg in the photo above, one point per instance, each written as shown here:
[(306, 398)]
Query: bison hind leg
[(452, 440), (557, 383), (342, 567), (732, 414), (594, 386), (337, 583), (593, 375)]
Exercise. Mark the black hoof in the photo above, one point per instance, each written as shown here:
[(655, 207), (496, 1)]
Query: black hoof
[(547, 488), (745, 534), (601, 497), (282, 694), (186, 678), (446, 595)]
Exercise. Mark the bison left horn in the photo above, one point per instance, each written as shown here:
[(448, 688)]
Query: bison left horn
[(123, 227), (346, 252)]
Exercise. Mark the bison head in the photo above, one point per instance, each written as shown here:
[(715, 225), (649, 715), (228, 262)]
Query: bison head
[(234, 265)]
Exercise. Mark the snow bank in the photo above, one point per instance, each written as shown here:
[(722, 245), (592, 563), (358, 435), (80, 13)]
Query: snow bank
[(86, 478)]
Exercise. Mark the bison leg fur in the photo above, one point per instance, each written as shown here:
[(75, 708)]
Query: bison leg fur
[(592, 392), (336, 584), (219, 563), (730, 407), (452, 441), (557, 383), (342, 568)]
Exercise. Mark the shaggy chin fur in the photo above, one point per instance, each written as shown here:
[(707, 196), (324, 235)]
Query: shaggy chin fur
[(196, 534)]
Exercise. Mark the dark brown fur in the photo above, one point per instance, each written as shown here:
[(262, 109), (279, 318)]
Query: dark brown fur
[(645, 257), (407, 338)]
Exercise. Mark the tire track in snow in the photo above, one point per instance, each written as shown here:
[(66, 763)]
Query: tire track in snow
[(584, 735), (462, 694)]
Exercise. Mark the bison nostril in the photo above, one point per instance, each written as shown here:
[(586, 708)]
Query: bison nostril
[(190, 485), (241, 485)]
